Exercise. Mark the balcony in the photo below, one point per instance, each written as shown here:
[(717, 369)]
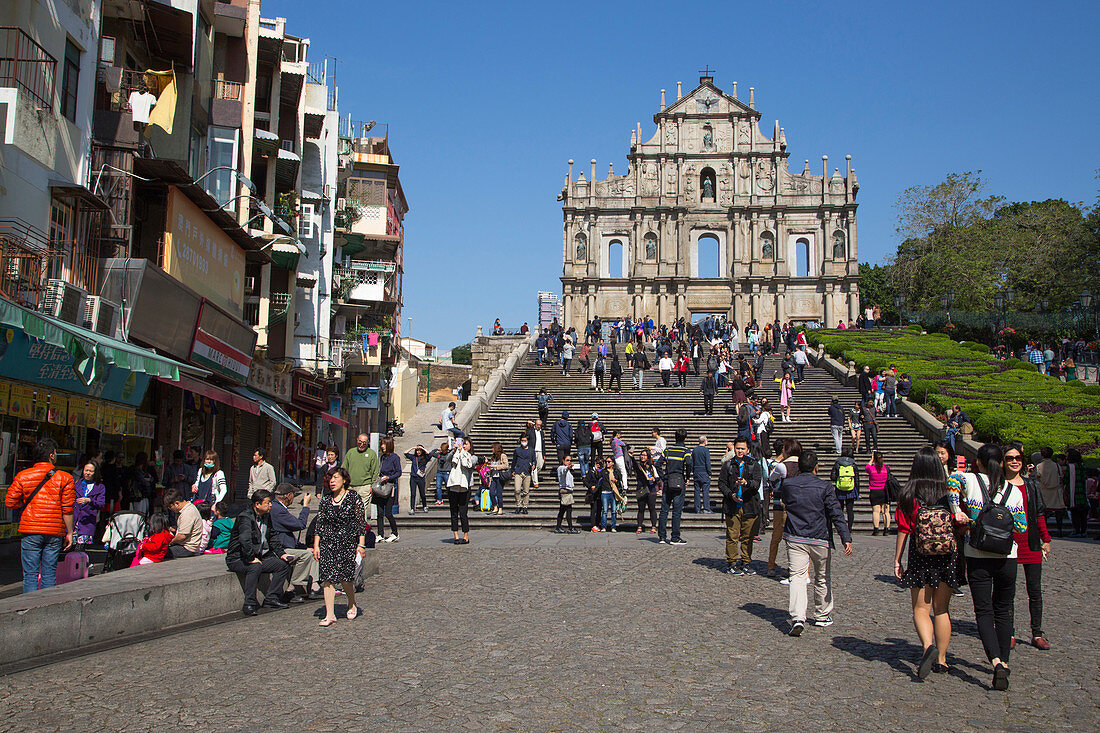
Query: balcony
[(28, 259), (26, 66), (229, 90), (280, 306), (355, 353), (371, 285)]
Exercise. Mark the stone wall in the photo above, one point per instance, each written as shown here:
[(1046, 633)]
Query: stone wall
[(488, 353), (443, 379)]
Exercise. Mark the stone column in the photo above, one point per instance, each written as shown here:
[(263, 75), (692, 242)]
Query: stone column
[(681, 304), (853, 302), (739, 309), (591, 307), (567, 306), (755, 301), (829, 306), (781, 306)]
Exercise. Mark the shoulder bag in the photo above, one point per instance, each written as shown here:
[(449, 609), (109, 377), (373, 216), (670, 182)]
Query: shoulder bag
[(993, 528), (383, 490), (27, 503)]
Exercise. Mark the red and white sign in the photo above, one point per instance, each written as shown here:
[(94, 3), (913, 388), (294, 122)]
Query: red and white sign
[(213, 353)]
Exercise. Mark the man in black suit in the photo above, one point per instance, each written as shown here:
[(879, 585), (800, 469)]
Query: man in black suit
[(254, 548)]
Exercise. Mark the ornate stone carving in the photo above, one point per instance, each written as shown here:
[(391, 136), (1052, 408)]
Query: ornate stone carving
[(670, 180), (649, 180), (764, 180), (743, 133), (651, 246), (689, 181), (582, 248), (744, 169), (670, 135), (725, 188), (839, 250)]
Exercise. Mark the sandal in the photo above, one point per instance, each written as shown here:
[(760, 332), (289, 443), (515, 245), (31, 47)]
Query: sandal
[(327, 622), (653, 530), (638, 531), (352, 612)]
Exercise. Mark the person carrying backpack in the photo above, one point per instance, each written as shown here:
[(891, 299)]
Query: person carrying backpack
[(845, 478), (926, 519), (544, 401), (995, 509)]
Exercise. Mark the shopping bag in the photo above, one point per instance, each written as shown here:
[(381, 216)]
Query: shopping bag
[(486, 502)]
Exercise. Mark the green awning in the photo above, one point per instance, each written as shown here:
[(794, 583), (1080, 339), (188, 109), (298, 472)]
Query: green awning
[(89, 348), (271, 409)]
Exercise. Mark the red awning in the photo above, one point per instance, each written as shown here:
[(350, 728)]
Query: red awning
[(215, 393), (334, 420)]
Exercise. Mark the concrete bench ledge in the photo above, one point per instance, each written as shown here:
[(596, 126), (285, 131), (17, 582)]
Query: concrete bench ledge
[(122, 603)]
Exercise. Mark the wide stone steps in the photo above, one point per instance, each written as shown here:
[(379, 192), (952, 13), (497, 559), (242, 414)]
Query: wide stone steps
[(635, 413)]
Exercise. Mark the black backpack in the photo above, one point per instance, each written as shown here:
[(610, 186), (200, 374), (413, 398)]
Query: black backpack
[(992, 530)]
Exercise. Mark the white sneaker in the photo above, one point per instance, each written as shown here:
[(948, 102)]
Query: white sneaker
[(393, 538)]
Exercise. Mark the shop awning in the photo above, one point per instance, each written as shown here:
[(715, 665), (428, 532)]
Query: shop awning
[(89, 347), (217, 394), (334, 420), (269, 408)]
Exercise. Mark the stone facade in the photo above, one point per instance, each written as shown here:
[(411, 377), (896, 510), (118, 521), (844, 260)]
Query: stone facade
[(488, 354), (708, 219)]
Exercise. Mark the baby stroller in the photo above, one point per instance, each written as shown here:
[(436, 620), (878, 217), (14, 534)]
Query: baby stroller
[(125, 531)]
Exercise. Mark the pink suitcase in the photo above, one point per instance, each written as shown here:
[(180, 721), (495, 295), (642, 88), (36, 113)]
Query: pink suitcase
[(74, 566)]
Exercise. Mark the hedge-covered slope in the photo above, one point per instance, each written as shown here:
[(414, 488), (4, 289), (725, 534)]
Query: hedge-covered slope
[(1006, 400)]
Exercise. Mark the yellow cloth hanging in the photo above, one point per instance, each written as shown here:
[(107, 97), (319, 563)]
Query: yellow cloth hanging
[(164, 111)]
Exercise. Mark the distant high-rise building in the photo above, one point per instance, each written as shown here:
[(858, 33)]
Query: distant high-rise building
[(549, 308)]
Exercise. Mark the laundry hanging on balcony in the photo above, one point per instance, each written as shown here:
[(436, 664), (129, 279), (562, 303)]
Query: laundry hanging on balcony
[(164, 111)]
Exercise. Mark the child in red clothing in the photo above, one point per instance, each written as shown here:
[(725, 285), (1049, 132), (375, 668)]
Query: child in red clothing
[(154, 547)]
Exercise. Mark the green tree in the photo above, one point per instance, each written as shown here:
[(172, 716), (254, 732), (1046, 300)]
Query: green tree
[(462, 354), (876, 287)]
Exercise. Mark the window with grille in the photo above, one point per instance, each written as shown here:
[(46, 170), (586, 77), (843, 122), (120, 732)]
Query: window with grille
[(70, 80), (367, 191), (305, 222)]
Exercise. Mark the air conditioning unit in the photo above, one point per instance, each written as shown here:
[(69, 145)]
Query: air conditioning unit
[(102, 316), (65, 301)]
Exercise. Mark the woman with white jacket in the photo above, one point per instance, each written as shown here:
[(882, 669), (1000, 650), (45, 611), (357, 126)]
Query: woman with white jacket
[(209, 487), (458, 490)]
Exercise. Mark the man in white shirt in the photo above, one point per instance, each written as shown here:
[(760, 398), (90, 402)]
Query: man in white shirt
[(540, 459), (659, 443), (261, 475), (447, 421)]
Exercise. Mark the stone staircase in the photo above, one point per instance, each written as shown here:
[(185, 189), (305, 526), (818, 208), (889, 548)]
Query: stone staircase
[(636, 413)]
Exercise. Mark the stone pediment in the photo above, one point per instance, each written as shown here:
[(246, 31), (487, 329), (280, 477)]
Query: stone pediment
[(707, 99)]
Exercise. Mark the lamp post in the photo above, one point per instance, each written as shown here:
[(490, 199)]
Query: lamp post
[(899, 303), (947, 300), (1088, 303)]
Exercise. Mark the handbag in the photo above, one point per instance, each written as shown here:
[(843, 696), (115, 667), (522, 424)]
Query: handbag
[(383, 489), (893, 486), (993, 528), (506, 475)]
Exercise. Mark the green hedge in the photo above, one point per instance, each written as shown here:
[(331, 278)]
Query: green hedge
[(1006, 400)]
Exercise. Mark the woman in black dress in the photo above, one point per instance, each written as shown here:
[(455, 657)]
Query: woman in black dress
[(338, 541), (931, 578)]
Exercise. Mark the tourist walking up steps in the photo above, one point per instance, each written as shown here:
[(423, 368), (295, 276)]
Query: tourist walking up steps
[(845, 478), (523, 464), (739, 482), (677, 461), (565, 495), (648, 490), (990, 550), (811, 506), (927, 522)]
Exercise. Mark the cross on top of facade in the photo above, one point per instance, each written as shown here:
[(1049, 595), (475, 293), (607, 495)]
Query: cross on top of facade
[(708, 71)]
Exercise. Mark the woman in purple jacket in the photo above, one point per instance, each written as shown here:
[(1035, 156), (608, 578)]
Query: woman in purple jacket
[(90, 499)]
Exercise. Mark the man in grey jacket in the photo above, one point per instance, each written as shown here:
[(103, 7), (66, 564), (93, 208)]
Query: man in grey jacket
[(812, 507)]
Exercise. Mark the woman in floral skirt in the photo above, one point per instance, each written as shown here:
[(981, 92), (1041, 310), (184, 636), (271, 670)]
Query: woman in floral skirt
[(340, 540)]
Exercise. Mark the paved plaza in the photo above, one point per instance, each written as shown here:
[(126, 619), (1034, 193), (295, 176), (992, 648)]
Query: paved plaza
[(525, 631)]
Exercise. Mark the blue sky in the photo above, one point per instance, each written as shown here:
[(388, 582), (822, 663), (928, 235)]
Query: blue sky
[(486, 102)]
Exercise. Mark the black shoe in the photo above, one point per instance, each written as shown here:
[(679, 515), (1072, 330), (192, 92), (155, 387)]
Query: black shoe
[(926, 661), (250, 609), (462, 542), (940, 668), (295, 598), (274, 603), (559, 530), (1000, 677), (573, 531)]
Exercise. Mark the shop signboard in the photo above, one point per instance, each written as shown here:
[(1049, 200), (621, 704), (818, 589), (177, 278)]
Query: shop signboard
[(309, 392), (94, 418), (78, 408), (364, 398), (199, 253), (21, 403), (29, 360), (57, 409), (263, 378), (223, 344), (5, 394)]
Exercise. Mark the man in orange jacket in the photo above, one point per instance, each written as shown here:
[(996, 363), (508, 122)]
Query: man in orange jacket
[(46, 497)]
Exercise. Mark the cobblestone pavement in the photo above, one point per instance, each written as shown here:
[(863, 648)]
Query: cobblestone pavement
[(521, 631)]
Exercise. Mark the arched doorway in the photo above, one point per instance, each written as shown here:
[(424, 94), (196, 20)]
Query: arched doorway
[(710, 264), (615, 258)]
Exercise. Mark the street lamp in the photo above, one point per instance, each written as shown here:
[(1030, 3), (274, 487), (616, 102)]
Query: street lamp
[(1087, 304), (899, 303)]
